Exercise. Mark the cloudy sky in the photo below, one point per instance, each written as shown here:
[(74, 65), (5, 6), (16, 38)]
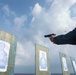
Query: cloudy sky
[(30, 20)]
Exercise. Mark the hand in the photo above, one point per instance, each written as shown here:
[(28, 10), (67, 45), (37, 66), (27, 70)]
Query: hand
[(52, 37)]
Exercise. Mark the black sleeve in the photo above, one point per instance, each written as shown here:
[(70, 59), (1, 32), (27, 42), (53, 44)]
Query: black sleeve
[(69, 38)]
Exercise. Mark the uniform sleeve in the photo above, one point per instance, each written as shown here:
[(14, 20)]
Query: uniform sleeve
[(69, 38)]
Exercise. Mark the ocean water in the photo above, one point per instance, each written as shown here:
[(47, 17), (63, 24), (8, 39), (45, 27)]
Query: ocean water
[(34, 74), (24, 74)]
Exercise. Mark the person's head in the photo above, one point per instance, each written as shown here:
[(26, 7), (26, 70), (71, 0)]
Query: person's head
[(43, 54), (2, 46)]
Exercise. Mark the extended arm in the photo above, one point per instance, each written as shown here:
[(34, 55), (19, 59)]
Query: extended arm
[(69, 38)]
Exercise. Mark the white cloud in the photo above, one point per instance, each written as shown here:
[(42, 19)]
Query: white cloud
[(20, 21), (7, 11), (37, 9), (11, 19), (24, 54), (56, 16)]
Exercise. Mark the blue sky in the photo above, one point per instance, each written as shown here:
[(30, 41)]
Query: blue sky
[(30, 20)]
